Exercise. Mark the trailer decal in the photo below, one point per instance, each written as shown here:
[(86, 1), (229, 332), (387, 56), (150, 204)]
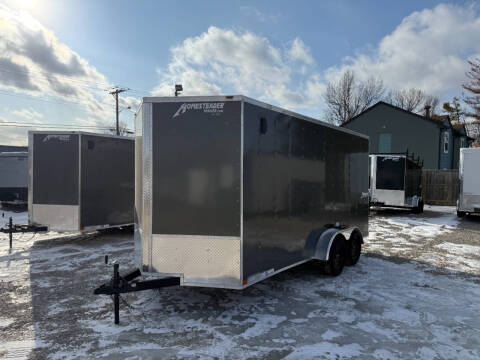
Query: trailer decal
[(214, 108)]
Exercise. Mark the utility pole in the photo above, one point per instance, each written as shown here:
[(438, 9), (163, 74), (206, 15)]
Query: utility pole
[(115, 95)]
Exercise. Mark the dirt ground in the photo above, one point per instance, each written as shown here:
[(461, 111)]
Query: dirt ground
[(414, 294)]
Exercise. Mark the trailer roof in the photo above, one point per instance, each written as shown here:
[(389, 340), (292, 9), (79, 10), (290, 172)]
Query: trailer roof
[(79, 133), (251, 101)]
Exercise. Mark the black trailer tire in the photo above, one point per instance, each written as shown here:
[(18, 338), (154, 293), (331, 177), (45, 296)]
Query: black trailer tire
[(461, 213), (336, 257), (353, 249), (419, 208)]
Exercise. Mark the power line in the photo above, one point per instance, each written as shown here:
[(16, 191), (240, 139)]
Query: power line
[(101, 86), (52, 126), (31, 97), (60, 126), (41, 124)]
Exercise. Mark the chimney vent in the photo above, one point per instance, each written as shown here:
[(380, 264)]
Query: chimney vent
[(427, 110)]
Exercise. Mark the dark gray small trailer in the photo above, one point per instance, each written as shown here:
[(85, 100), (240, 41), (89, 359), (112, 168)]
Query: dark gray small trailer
[(80, 181), (396, 181), (230, 190), (14, 177)]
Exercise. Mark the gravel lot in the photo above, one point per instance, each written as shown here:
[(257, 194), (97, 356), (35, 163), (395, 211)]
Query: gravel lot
[(414, 294)]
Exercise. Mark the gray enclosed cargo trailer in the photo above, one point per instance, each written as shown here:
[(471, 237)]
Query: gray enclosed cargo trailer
[(14, 177), (80, 181), (230, 190)]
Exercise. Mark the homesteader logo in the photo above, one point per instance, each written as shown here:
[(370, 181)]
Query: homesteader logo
[(213, 108), (58, 137)]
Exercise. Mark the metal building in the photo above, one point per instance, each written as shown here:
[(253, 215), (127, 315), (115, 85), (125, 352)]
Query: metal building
[(14, 177), (80, 181), (230, 190)]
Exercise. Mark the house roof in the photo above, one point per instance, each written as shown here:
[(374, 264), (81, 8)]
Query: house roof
[(457, 127), (436, 119), (440, 118)]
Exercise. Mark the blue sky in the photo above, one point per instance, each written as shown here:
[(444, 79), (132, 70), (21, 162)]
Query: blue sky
[(282, 52)]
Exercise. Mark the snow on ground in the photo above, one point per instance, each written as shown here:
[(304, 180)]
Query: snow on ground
[(20, 218), (436, 237), (386, 307)]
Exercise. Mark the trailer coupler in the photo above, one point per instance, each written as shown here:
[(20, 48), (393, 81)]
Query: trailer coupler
[(125, 284)]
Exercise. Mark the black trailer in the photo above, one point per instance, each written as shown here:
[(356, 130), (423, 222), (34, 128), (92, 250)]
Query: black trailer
[(396, 181), (80, 181), (14, 177)]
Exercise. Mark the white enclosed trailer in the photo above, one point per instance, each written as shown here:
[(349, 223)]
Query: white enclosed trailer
[(396, 181), (469, 173)]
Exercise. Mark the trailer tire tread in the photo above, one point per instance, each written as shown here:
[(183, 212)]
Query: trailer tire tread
[(353, 248), (336, 258)]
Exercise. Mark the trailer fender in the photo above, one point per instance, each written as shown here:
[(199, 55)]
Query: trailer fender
[(320, 241)]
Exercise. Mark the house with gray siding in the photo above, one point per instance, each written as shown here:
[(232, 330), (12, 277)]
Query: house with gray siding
[(394, 130)]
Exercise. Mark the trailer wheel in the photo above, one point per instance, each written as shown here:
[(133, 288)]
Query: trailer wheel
[(461, 213), (419, 208), (353, 248), (336, 257)]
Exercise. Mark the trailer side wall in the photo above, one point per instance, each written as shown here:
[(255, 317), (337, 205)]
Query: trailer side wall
[(107, 181), (298, 176)]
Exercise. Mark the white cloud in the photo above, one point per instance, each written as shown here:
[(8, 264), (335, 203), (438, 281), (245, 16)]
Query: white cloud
[(222, 60), (28, 114), (34, 62), (300, 52), (428, 50)]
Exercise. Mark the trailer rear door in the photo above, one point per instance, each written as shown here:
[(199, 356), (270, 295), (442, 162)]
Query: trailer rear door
[(196, 168), (390, 173)]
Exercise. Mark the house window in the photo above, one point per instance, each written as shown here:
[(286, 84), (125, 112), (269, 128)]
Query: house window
[(445, 142), (463, 142), (385, 143)]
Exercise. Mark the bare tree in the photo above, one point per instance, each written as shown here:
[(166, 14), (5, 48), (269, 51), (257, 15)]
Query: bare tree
[(122, 129), (414, 100), (347, 97), (407, 99), (473, 88)]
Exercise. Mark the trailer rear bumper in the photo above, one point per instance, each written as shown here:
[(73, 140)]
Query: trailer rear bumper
[(212, 261), (469, 203)]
